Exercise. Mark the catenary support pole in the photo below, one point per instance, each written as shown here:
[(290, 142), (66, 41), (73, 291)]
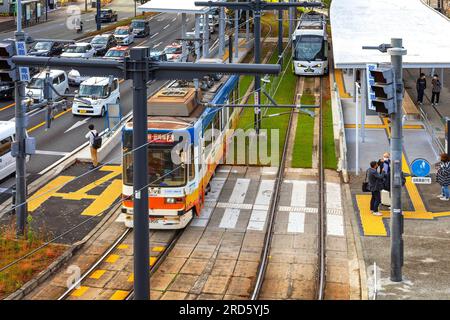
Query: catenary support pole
[(280, 36), (357, 106), (257, 21), (98, 6), (397, 53), (184, 53), (140, 173), (236, 35), (222, 32), (364, 104), (21, 127), (197, 36), (247, 27)]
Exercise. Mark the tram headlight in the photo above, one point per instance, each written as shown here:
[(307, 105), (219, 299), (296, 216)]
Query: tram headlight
[(174, 200), (170, 200)]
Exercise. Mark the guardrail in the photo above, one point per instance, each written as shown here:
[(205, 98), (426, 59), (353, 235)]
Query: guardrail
[(342, 161), (436, 143)]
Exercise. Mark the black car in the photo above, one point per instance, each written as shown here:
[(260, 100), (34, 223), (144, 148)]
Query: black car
[(6, 90), (141, 28), (102, 43), (46, 49), (107, 15), (157, 56)]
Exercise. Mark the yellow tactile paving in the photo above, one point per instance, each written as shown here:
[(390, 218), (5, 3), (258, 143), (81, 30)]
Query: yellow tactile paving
[(47, 192), (97, 274), (372, 225), (112, 258), (119, 295), (131, 278), (158, 249), (152, 261), (102, 203), (339, 78), (80, 291), (123, 246)]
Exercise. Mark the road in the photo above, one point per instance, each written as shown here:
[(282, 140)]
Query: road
[(60, 139)]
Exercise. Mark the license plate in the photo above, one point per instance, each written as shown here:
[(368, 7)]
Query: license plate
[(82, 111)]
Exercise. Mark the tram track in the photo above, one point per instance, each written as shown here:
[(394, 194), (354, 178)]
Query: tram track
[(320, 277)]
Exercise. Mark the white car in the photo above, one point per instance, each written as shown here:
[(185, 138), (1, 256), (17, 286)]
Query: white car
[(79, 50), (58, 79), (7, 138), (75, 78), (124, 35), (94, 96)]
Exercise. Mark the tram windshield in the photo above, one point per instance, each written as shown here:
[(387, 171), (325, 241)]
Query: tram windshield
[(309, 48), (162, 170)]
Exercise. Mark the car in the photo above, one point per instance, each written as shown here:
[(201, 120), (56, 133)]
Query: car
[(124, 35), (79, 50), (46, 49), (35, 88), (6, 89), (117, 53), (102, 43), (173, 52), (212, 23), (156, 56), (75, 78), (94, 96), (108, 15), (141, 27)]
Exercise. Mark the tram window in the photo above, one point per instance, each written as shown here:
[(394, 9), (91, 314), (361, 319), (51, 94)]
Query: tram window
[(217, 121), (207, 135), (5, 146), (192, 164)]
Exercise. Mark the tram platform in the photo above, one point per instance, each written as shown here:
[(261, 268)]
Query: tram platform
[(427, 219)]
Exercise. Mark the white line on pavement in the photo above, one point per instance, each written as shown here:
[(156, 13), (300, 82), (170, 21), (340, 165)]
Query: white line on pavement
[(157, 45), (154, 35), (166, 27), (51, 153)]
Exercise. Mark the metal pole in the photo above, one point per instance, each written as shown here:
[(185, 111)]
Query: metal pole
[(448, 135), (205, 36), (197, 36), (357, 130), (236, 34), (280, 36), (363, 104), (247, 26), (21, 127), (257, 45), (291, 21), (140, 174), (396, 152), (135, 13), (99, 25), (184, 54), (222, 32)]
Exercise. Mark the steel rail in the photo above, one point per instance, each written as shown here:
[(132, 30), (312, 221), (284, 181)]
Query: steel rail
[(97, 263)]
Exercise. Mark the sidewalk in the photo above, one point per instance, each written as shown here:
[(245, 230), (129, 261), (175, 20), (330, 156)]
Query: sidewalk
[(426, 238)]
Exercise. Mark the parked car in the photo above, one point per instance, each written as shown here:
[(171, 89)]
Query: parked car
[(75, 78), (46, 49), (94, 96), (124, 35), (141, 27), (156, 55), (35, 88), (108, 15), (102, 43), (117, 53), (6, 89), (79, 50), (173, 52)]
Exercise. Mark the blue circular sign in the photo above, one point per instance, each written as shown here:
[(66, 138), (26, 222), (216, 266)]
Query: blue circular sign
[(420, 168)]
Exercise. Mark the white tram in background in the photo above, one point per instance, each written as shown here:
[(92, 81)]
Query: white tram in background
[(177, 191), (310, 45)]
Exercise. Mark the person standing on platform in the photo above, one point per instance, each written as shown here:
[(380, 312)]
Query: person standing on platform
[(435, 90), (443, 176), (421, 85), (376, 184)]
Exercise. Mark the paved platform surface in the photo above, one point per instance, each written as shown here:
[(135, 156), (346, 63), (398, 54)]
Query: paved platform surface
[(427, 219), (75, 197)]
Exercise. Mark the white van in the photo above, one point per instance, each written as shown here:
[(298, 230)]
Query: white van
[(7, 137), (35, 88), (94, 95)]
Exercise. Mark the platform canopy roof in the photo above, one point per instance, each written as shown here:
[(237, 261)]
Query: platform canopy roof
[(173, 6), (355, 23)]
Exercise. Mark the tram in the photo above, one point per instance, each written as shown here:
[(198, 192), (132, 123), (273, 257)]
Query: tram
[(186, 142), (310, 45)]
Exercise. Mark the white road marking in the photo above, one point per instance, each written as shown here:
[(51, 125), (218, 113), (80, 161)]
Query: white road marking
[(157, 45), (230, 216), (174, 19), (51, 153), (216, 185), (166, 27), (78, 123), (335, 218), (154, 35), (202, 220), (261, 206), (335, 225), (296, 222), (333, 196)]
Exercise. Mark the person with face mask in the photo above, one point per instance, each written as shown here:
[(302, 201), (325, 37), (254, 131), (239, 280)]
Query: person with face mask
[(435, 90), (421, 85)]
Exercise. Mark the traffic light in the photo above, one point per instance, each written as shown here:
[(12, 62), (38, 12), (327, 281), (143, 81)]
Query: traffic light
[(383, 88), (7, 67)]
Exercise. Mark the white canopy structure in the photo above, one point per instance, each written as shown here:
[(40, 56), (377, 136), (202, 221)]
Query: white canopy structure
[(173, 6), (356, 23)]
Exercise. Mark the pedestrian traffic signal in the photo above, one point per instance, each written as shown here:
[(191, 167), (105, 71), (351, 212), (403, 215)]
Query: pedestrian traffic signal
[(7, 67), (383, 87)]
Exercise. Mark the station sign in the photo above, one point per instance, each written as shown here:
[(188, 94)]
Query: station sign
[(370, 82), (160, 138)]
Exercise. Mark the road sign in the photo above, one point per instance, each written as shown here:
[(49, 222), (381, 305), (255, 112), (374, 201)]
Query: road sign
[(420, 168), (421, 180), (24, 72), (370, 82)]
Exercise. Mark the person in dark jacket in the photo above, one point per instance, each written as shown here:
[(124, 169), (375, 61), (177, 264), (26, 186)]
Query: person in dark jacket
[(443, 176), (421, 85), (376, 184), (435, 90)]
